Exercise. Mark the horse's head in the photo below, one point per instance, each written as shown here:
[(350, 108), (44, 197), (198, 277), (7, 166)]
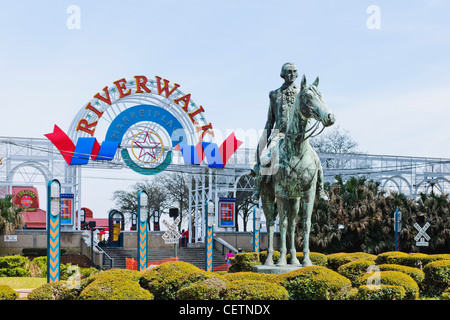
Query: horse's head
[(312, 104)]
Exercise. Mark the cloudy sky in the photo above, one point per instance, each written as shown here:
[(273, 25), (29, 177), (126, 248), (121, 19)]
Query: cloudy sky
[(383, 65)]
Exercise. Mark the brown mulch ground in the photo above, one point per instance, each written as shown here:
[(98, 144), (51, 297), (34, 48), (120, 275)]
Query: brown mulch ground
[(74, 259)]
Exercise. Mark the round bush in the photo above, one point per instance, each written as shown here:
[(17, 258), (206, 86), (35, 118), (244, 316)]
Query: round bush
[(6, 293), (114, 288), (209, 289), (14, 266), (437, 277), (354, 269), (335, 260), (382, 292), (263, 256), (417, 274), (255, 290), (244, 262), (395, 278), (317, 259), (446, 294), (166, 279), (412, 259), (316, 283), (274, 278), (382, 257), (54, 291)]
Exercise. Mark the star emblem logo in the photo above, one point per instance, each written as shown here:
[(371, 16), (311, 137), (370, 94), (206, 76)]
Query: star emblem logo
[(147, 146)]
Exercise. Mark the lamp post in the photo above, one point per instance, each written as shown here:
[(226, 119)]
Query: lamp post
[(53, 230), (143, 209), (209, 227), (256, 227)]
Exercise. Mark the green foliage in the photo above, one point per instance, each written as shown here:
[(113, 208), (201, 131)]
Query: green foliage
[(6, 293), (354, 269), (110, 287), (10, 219), (252, 276), (54, 291), (244, 262), (437, 277), (394, 278), (446, 294), (417, 274), (14, 266), (316, 283), (166, 279), (255, 290), (263, 256), (382, 257), (335, 260), (212, 288), (382, 292), (317, 259)]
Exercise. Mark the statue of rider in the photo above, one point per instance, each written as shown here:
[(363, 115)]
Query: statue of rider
[(281, 102)]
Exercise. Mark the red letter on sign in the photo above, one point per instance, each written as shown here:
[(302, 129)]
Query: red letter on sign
[(166, 87), (205, 130), (140, 84), (186, 99), (85, 126), (194, 113), (121, 86), (90, 107), (107, 99)]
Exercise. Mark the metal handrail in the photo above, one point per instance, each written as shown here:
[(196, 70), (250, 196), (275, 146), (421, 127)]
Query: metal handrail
[(225, 244), (105, 253)]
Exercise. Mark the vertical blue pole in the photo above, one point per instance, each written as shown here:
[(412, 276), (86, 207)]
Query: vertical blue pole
[(256, 235), (53, 230), (397, 232), (143, 209)]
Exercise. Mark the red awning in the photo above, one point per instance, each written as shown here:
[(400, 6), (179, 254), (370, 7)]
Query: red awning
[(35, 219)]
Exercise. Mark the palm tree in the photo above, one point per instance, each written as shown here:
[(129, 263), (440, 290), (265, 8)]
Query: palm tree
[(10, 219)]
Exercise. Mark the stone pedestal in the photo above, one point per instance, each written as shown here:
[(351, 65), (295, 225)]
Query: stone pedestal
[(276, 269)]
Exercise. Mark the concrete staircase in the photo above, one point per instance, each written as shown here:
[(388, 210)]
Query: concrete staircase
[(192, 255)]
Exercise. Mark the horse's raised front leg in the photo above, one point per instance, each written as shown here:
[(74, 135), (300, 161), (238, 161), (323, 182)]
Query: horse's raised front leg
[(308, 205), (292, 215)]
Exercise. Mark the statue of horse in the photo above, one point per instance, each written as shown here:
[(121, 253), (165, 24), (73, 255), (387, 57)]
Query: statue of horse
[(297, 173)]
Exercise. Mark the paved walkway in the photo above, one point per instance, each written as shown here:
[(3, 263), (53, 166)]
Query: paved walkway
[(23, 293)]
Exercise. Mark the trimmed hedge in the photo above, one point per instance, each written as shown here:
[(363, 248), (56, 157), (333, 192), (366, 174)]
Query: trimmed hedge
[(382, 292), (212, 288), (113, 288), (413, 259), (317, 259), (54, 291), (14, 266), (437, 277), (244, 262), (354, 269), (382, 257), (395, 278), (336, 260), (417, 274), (6, 293), (166, 279), (255, 290), (263, 256), (316, 283), (268, 277)]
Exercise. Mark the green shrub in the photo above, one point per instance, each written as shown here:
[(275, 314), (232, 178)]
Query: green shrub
[(335, 260), (317, 259), (166, 279), (316, 283), (413, 259), (263, 256), (54, 291), (244, 262), (114, 288), (437, 277), (255, 290), (446, 294), (41, 263), (417, 274), (14, 266), (354, 269), (382, 292), (395, 278), (212, 288), (274, 278), (382, 257), (6, 293)]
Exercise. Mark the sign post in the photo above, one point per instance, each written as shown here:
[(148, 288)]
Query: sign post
[(209, 227), (397, 228), (256, 227), (53, 230), (143, 209)]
